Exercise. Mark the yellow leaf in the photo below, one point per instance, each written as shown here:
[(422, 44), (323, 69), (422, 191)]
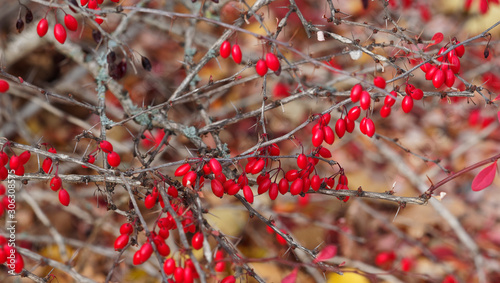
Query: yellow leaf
[(347, 277)]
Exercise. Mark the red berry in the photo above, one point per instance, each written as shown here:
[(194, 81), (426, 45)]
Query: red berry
[(365, 100), (93, 4), (283, 186), (172, 191), (385, 111), (460, 50), (406, 264), (273, 191), (440, 58), (189, 179), (340, 128), (297, 186), (281, 90), (354, 113), (188, 275), (55, 183), (417, 94), (356, 93), (315, 182), (438, 79), (302, 161), (272, 62), (292, 175), (362, 125), (18, 262), (3, 173), (328, 135), (206, 169), (84, 2), (179, 274), (42, 27), (250, 165), (349, 124), (391, 100), (70, 22), (430, 74), (182, 170), (113, 159), (370, 127), (455, 64), (14, 162), (121, 242), (146, 251), (236, 54), (217, 188), (47, 165), (24, 157), (169, 266), (60, 33), (19, 171), (163, 248), (385, 258), (409, 88), (225, 49), (64, 197), (379, 82), (106, 146), (324, 152), (261, 67), (233, 189), (306, 185), (449, 78), (317, 137), (325, 119), (407, 104), (197, 241), (4, 158), (248, 194), (150, 201), (258, 166), (426, 67), (126, 228), (215, 166)]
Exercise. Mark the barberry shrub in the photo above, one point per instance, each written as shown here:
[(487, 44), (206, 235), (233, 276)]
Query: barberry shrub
[(268, 141)]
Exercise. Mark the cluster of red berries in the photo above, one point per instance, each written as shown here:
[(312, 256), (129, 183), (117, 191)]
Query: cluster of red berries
[(295, 181), (322, 132), (47, 166), (271, 62), (59, 31), (261, 67), (55, 185), (94, 5), (10, 256), (111, 156), (159, 235), (444, 73), (235, 51), (366, 125), (15, 162)]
